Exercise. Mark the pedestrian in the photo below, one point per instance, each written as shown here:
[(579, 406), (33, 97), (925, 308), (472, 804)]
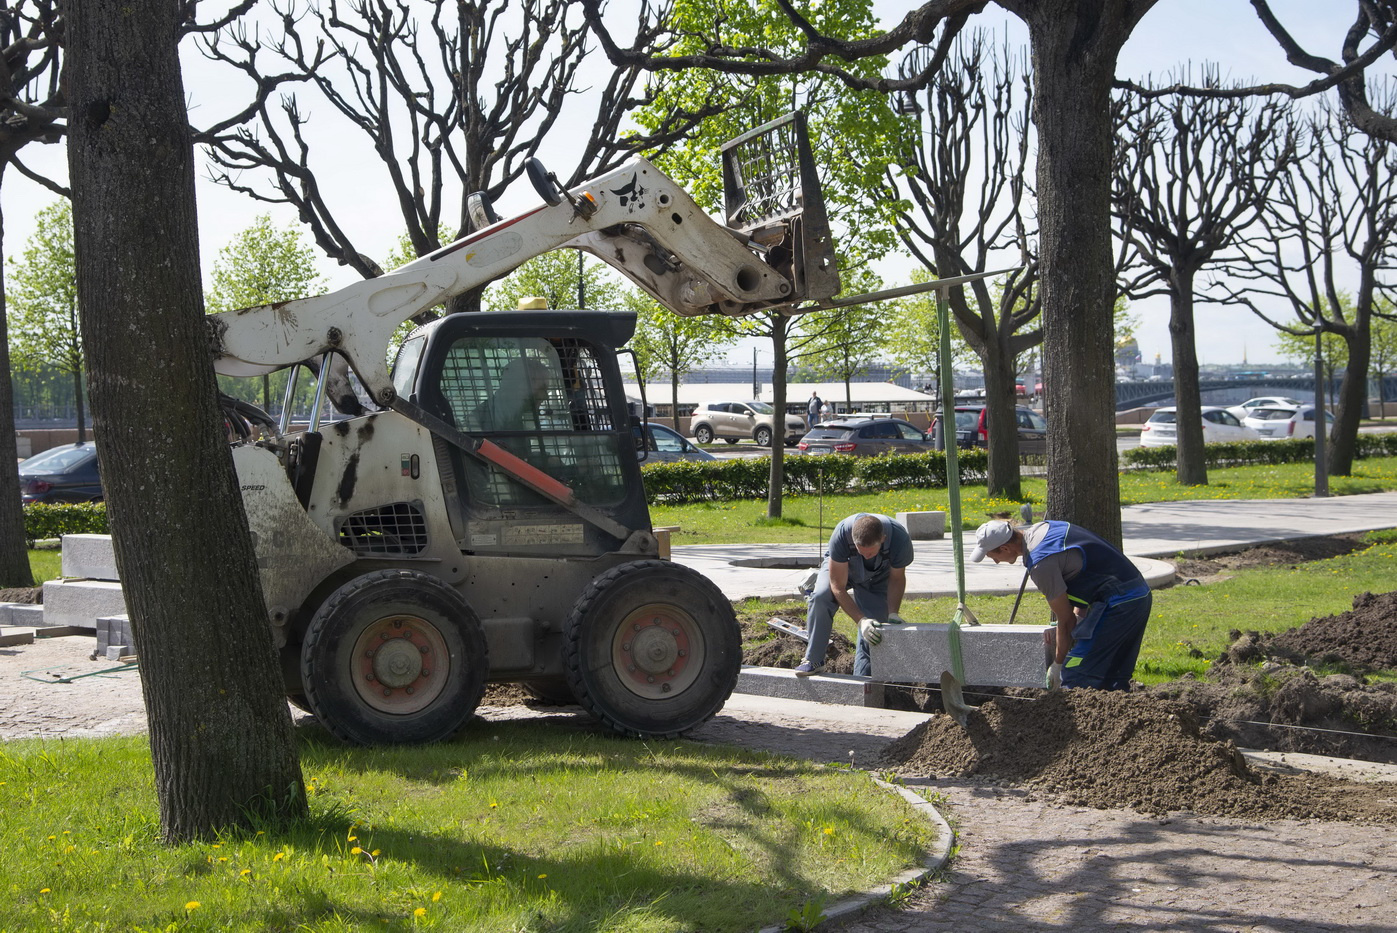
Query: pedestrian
[(825, 412), (1099, 600), (864, 572), (812, 409)]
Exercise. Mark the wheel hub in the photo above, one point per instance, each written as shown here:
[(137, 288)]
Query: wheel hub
[(400, 664), (657, 651)]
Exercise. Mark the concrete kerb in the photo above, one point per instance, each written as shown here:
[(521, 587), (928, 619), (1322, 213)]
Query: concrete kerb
[(937, 859)]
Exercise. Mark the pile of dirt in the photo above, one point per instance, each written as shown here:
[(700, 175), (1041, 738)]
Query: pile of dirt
[(1219, 566), (764, 646), (1116, 750), (1362, 639), (31, 595)]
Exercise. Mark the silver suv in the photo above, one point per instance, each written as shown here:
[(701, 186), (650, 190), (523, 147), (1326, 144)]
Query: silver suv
[(733, 421)]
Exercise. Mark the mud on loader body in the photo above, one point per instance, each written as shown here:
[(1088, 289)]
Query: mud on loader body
[(477, 513)]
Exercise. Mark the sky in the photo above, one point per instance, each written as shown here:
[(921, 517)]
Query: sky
[(1175, 33)]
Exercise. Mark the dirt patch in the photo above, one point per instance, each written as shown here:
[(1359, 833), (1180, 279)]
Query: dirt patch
[(1213, 567), (1115, 750), (764, 646), (32, 595), (1362, 639)]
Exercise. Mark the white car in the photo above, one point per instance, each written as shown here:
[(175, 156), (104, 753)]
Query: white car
[(1219, 424), (1274, 424), (1269, 401)]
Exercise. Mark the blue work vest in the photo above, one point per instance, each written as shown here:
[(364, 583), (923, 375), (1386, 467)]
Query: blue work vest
[(1107, 576)]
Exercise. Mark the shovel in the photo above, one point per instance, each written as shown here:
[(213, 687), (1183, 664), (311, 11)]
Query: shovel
[(953, 700)]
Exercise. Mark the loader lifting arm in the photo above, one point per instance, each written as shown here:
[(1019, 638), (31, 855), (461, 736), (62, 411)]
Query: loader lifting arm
[(777, 254)]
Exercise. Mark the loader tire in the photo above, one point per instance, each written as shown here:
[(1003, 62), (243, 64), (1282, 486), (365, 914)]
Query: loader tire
[(394, 657), (652, 649)]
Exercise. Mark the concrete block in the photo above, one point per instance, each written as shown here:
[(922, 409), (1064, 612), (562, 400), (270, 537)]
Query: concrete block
[(117, 652), (994, 655), (923, 526), (89, 557), (81, 602), (16, 636), (842, 689), (118, 632), (29, 614)]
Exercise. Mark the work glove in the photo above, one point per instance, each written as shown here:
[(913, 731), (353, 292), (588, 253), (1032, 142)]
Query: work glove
[(1054, 676), (895, 619), (871, 631)]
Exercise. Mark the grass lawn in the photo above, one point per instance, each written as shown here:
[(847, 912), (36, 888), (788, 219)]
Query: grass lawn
[(519, 826)]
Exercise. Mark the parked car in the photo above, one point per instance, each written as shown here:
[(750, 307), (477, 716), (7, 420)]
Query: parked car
[(1219, 424), (67, 473), (972, 428), (668, 446), (733, 421), (1267, 401), (865, 437), (1284, 423)]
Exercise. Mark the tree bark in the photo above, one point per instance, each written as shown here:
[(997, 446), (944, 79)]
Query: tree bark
[(1190, 467), (1074, 48), (14, 554), (776, 479), (221, 737)]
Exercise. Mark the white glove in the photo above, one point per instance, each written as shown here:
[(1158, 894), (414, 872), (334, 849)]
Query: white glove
[(871, 631), (1054, 676), (895, 619)]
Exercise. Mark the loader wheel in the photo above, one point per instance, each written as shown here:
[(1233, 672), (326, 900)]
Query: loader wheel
[(762, 437), (394, 656), (703, 434), (652, 649)]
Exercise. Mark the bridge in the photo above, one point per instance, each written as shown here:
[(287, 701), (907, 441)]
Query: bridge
[(1235, 391)]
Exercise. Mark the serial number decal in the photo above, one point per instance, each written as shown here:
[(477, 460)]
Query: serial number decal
[(542, 534)]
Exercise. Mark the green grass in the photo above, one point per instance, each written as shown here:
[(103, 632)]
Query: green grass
[(810, 518), (517, 826)]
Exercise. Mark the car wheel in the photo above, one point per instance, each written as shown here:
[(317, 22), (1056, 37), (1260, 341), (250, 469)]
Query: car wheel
[(703, 434), (394, 656), (652, 649), (762, 436), (730, 440)]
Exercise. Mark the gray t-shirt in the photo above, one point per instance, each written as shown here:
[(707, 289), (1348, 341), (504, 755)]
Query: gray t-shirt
[(895, 552), (1052, 573)]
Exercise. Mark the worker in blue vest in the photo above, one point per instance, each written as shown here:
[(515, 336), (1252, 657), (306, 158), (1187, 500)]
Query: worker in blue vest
[(864, 573), (1100, 601)]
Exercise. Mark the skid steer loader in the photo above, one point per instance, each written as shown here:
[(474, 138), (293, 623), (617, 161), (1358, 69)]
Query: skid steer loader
[(475, 513)]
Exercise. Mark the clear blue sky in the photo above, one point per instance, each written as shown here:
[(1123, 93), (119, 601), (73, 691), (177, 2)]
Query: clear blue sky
[(1174, 33)]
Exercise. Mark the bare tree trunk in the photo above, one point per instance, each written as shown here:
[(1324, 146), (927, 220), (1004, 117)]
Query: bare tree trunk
[(1004, 479), (1073, 67), (14, 555), (779, 365), (1353, 391), (1190, 467), (78, 405), (221, 738)]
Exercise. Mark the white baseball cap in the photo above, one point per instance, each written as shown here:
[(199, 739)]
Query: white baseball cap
[(989, 536)]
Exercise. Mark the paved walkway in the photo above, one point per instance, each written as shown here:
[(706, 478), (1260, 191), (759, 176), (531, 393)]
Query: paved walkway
[(1151, 532)]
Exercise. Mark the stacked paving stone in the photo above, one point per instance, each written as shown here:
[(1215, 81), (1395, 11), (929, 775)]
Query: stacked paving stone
[(87, 600)]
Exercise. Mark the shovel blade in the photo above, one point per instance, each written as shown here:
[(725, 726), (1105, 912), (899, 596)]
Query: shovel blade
[(953, 700)]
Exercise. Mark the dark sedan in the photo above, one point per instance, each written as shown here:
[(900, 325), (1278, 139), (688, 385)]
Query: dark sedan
[(67, 473), (865, 437), (972, 429)]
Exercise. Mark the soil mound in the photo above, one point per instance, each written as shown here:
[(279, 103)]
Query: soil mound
[(1364, 638), (764, 646), (1113, 750)]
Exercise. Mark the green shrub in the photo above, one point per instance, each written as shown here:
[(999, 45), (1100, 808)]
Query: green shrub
[(1257, 453), (42, 520)]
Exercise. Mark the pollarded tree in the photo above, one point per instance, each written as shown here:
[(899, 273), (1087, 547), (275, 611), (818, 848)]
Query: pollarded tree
[(221, 738), (450, 98), (969, 189), (1192, 176), (260, 265), (1332, 217), (43, 303)]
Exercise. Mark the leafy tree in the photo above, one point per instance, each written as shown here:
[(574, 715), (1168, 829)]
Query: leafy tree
[(263, 264), (844, 342), (675, 345), (1295, 344), (856, 133), (1384, 358), (562, 278), (221, 738), (43, 303)]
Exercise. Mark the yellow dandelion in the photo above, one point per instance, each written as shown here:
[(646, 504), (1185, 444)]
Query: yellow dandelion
[(541, 877), (192, 905), (356, 851), (44, 890), (420, 912), (436, 897), (352, 838), (374, 853), (829, 830), (245, 872), (278, 857)]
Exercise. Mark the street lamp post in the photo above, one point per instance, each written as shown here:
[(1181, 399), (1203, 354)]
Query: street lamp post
[(1321, 467)]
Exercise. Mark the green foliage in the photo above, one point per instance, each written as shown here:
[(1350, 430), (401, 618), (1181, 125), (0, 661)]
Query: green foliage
[(672, 344), (746, 477), (42, 296), (1240, 453), (554, 277), (43, 520)]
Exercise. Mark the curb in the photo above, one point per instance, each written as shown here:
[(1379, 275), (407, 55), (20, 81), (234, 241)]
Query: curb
[(936, 859)]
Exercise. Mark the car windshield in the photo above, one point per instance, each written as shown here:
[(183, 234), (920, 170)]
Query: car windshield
[(761, 408), (1272, 414), (1162, 417), (56, 460)]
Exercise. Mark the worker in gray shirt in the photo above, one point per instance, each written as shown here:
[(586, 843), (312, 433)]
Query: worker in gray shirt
[(1099, 600)]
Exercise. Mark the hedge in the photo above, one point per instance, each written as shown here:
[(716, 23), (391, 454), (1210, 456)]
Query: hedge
[(42, 520), (1250, 453), (746, 478)]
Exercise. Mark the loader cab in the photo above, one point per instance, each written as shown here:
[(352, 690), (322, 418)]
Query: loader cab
[(545, 386)]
